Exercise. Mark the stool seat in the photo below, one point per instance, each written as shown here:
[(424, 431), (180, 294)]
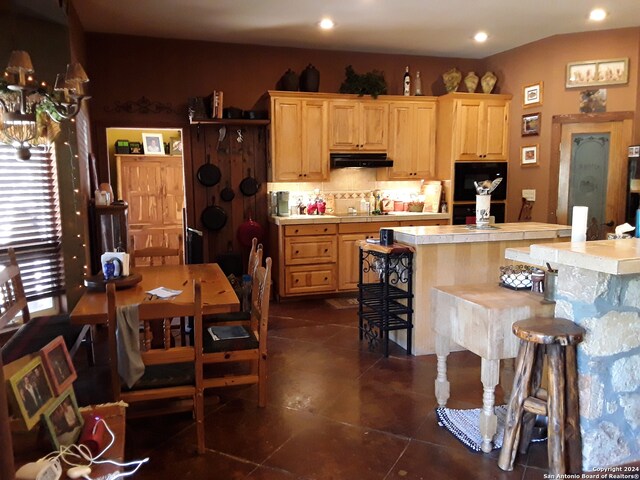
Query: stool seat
[(555, 339), (546, 331)]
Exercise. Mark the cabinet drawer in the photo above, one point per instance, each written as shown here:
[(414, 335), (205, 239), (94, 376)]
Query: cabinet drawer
[(307, 250), (310, 279), (368, 227), (314, 229)]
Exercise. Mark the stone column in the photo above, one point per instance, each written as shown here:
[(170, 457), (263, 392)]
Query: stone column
[(608, 307)]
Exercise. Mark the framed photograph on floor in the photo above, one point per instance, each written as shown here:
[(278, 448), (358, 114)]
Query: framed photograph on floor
[(57, 362), (153, 144), (63, 421), (529, 155), (532, 95), (531, 124), (31, 391)]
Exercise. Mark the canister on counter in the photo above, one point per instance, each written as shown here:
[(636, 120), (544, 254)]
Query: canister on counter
[(386, 236)]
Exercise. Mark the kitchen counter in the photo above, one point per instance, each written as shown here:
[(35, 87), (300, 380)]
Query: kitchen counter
[(466, 234), (337, 218), (598, 288), (457, 255)]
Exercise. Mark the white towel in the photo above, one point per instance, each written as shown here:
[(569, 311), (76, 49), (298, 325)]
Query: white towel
[(130, 365)]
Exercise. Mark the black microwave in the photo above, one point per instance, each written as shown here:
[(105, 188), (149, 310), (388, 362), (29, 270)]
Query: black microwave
[(466, 173)]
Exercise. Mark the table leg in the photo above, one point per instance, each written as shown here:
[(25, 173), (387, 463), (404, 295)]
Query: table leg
[(490, 373), (442, 384)]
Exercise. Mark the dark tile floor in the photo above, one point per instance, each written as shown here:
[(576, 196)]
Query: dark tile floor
[(335, 411)]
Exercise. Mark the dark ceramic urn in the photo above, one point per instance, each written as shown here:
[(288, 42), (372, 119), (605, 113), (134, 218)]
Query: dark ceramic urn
[(310, 79), (289, 81)]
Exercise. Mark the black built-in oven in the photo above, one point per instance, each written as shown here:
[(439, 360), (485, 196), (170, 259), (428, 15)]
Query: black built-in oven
[(466, 173)]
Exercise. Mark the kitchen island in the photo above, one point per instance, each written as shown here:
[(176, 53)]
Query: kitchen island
[(462, 255), (598, 288)]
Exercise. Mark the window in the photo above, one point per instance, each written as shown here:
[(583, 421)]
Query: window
[(30, 220)]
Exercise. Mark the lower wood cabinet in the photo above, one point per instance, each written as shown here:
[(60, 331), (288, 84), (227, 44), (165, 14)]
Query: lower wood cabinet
[(305, 279)]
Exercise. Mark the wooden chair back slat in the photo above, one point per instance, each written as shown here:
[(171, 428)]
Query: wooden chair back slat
[(157, 255), (12, 297)]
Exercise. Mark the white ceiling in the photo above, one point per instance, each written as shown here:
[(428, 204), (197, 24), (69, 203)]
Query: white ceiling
[(417, 27)]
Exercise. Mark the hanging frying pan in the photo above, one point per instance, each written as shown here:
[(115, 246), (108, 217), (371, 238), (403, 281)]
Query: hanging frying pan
[(227, 194), (213, 217), (209, 174), (249, 186)]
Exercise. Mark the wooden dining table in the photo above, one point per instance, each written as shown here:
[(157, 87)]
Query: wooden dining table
[(217, 294)]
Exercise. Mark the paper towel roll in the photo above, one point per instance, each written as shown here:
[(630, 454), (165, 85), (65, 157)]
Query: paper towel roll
[(579, 224)]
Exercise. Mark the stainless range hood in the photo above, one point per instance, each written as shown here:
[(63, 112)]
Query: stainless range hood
[(360, 159)]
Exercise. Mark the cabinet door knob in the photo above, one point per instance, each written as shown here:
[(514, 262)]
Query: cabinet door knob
[(326, 278), (326, 250), (297, 252), (296, 230), (296, 280), (325, 229)]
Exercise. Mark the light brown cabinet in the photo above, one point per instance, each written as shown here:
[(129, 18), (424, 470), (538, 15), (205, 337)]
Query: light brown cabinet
[(308, 259), (412, 140), (153, 186), (473, 127), (299, 144), (358, 125)]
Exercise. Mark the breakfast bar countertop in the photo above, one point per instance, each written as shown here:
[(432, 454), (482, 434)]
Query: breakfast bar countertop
[(469, 234)]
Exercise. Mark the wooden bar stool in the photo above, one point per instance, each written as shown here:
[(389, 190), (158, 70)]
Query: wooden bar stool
[(557, 339)]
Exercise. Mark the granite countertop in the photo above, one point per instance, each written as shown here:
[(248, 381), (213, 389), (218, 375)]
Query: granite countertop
[(466, 234), (391, 217)]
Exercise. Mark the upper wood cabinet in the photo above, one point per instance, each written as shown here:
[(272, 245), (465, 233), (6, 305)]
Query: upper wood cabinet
[(358, 125), (473, 127), (298, 139), (412, 140)]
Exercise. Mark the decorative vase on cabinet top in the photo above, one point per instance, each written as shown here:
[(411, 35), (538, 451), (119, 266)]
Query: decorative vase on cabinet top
[(289, 81), (488, 82), (471, 81), (310, 79), (452, 79)]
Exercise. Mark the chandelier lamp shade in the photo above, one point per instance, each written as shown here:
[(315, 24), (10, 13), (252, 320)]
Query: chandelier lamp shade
[(30, 111)]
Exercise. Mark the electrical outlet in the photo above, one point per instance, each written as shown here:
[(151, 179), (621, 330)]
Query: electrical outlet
[(529, 194)]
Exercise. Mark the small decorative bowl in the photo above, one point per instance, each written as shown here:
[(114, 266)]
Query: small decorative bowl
[(516, 277)]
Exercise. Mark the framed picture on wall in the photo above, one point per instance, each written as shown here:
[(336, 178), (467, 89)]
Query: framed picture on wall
[(597, 72), (531, 124), (529, 155), (532, 95)]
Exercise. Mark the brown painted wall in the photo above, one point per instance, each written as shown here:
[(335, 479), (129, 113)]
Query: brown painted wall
[(125, 68), (545, 61)]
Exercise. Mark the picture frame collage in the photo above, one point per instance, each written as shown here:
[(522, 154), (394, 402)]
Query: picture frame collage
[(532, 96), (41, 387)]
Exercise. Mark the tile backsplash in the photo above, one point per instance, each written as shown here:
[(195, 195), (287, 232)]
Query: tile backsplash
[(348, 187)]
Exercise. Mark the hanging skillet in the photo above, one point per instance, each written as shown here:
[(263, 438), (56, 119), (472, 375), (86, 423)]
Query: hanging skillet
[(213, 217), (227, 194), (209, 174), (249, 186)]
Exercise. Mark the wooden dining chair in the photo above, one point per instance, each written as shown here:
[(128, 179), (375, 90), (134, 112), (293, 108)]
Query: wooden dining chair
[(34, 333), (249, 350), (157, 255), (171, 373), (161, 256)]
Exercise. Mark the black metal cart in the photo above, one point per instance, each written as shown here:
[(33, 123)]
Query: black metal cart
[(385, 293)]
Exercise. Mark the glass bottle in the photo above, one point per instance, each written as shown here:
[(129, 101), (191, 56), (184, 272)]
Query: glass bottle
[(418, 84), (407, 83)]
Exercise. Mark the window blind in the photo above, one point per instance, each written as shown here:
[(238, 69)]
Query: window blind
[(30, 220)]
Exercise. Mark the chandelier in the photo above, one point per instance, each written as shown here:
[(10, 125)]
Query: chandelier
[(30, 111)]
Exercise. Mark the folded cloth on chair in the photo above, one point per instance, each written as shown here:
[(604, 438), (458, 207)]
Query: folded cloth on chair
[(130, 365)]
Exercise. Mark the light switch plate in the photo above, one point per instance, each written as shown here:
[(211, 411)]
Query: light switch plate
[(529, 194)]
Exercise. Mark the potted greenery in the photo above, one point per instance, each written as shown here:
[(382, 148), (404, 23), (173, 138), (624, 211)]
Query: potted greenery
[(371, 83)]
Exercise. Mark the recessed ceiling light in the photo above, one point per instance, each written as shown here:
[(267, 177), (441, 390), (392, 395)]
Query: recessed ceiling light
[(597, 15), (326, 24), (481, 37)]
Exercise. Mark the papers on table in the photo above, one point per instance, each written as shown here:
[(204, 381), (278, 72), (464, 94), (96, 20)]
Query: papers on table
[(164, 292), (227, 332)]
